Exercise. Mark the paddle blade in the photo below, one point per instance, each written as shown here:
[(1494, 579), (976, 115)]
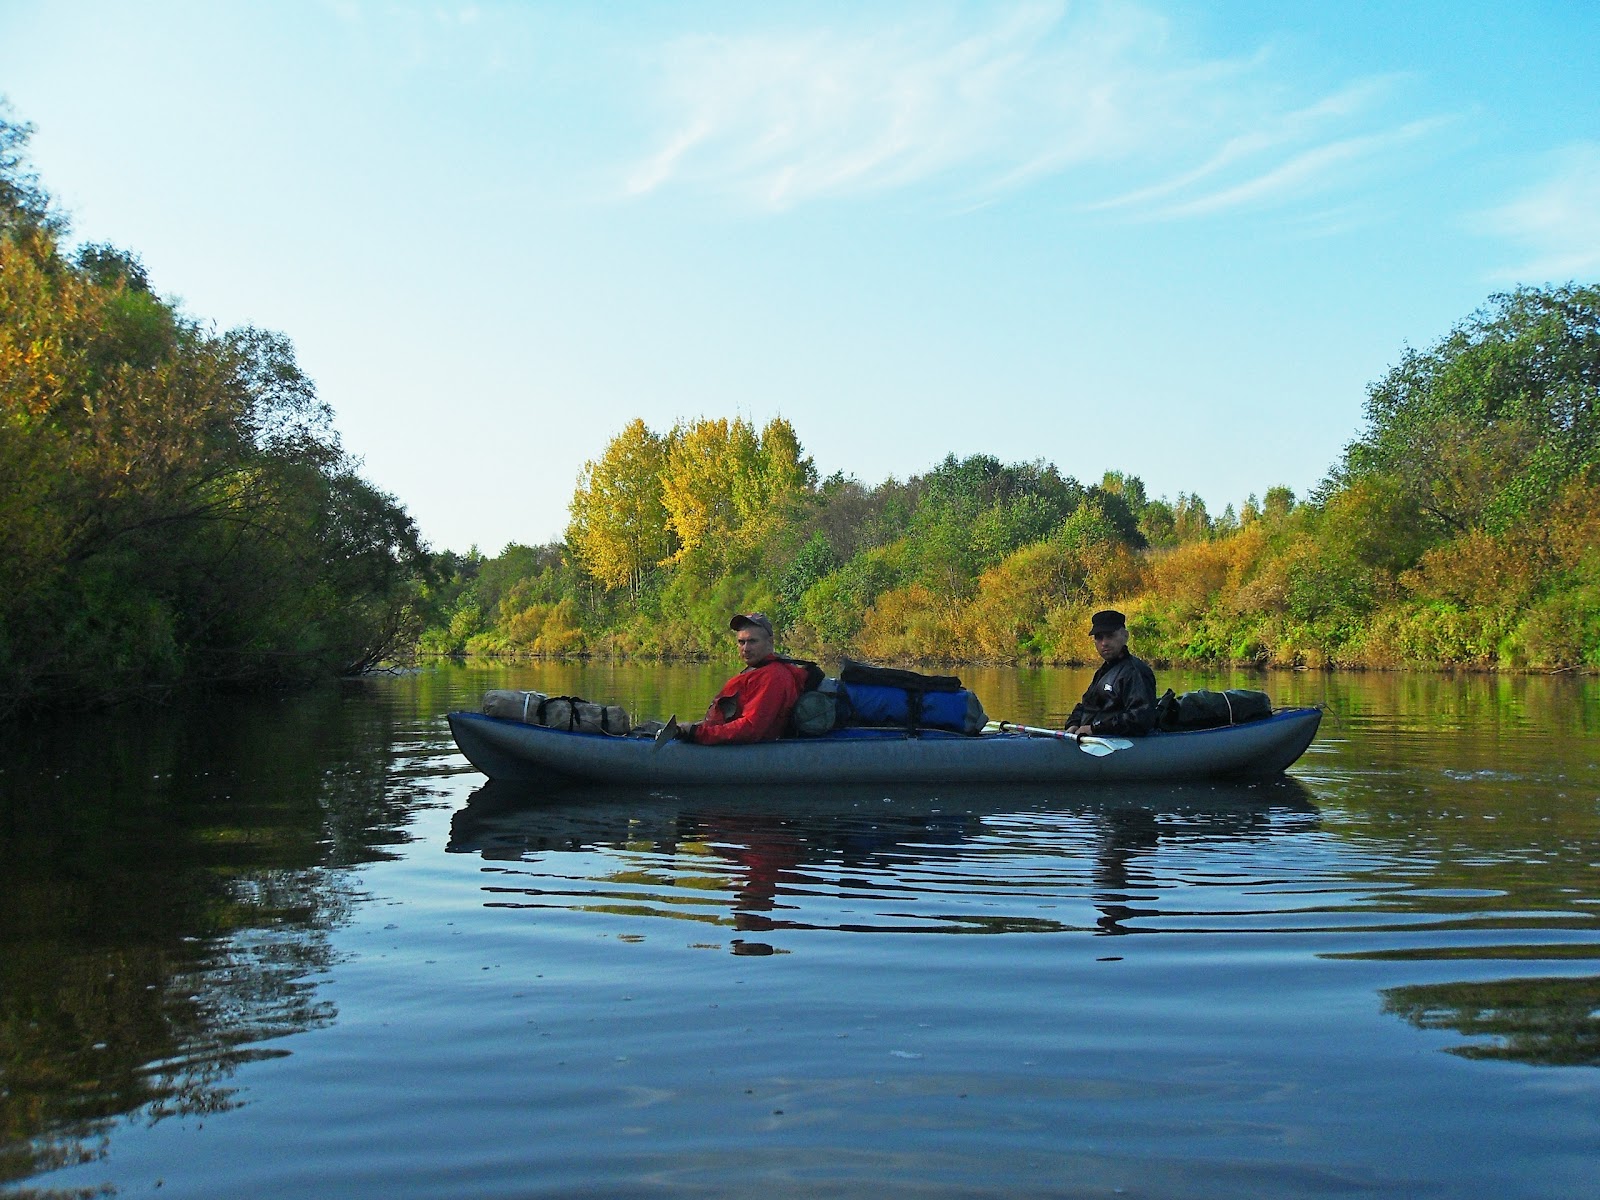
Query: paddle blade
[(1088, 743), (667, 732)]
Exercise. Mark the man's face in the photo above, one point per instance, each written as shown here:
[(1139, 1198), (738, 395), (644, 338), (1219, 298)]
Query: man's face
[(1111, 645), (755, 643)]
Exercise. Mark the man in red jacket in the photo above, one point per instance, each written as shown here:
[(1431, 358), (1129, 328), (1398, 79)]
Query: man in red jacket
[(754, 705)]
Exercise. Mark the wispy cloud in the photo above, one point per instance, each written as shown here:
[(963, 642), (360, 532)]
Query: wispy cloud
[(1103, 100), (1556, 221), (783, 119), (1297, 172)]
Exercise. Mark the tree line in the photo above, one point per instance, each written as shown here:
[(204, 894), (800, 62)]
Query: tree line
[(175, 506), (1460, 528)]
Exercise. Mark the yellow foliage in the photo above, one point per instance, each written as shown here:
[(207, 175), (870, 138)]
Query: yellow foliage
[(697, 486), (908, 623), (561, 634), (1193, 577), (1012, 599), (723, 486), (785, 472), (619, 521), (1478, 568), (522, 628), (1009, 608), (1065, 635), (1266, 591), (1434, 635), (1114, 571), (109, 418), (1562, 630), (1573, 526), (543, 628)]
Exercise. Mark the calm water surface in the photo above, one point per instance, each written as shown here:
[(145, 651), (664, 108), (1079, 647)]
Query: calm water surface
[(300, 948)]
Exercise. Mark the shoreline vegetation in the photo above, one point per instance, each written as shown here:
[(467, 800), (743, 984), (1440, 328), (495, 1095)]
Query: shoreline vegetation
[(1460, 530), (175, 506), (176, 511)]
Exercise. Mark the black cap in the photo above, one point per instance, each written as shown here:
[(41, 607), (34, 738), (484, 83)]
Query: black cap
[(1107, 621)]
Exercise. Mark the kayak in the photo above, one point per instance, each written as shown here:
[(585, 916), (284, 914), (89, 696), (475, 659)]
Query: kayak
[(511, 750)]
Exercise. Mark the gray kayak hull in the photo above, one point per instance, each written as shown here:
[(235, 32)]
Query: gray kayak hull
[(510, 750)]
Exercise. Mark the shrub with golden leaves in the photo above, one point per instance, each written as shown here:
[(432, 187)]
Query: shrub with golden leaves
[(910, 623), (1480, 569)]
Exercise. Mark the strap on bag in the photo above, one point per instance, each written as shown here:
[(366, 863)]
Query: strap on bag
[(573, 718), (572, 711)]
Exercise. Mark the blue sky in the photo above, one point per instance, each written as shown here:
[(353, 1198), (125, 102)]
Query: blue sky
[(1174, 239)]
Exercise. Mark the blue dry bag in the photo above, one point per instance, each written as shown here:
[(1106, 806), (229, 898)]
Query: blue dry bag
[(886, 696)]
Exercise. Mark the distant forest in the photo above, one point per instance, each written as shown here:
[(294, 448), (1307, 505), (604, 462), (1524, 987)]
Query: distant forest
[(1460, 529), (176, 509)]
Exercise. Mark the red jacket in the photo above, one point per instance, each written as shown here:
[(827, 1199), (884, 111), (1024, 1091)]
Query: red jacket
[(753, 706)]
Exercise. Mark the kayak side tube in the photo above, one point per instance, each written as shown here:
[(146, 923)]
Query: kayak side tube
[(510, 750)]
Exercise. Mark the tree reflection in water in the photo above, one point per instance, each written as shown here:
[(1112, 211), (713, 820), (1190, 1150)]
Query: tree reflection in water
[(167, 904), (1548, 1022)]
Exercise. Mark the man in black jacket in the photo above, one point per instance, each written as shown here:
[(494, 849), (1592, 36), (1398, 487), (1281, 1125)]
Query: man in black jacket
[(1121, 699)]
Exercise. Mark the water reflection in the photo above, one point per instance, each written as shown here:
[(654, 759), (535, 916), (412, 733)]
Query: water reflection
[(170, 885), (1550, 1022), (856, 860), (174, 890)]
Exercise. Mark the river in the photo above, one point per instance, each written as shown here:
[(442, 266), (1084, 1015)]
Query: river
[(298, 947)]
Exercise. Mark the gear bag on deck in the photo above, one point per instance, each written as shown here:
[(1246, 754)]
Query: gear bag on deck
[(571, 713), (870, 695), (816, 712), (1208, 710)]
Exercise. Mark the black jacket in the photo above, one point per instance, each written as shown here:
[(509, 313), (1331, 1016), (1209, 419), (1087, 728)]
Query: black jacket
[(1121, 699)]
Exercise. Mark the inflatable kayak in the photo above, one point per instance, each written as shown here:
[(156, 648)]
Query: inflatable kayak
[(511, 750)]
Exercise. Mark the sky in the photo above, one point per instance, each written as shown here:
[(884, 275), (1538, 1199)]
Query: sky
[(1174, 239)]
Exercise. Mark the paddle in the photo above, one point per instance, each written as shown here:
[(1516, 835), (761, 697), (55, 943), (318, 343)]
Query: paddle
[(1087, 742), (667, 732)]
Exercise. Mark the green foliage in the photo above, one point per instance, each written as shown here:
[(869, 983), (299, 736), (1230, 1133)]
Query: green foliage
[(1461, 530), (1102, 519), (174, 506), (1561, 630), (1158, 524), (1190, 522), (810, 565), (1485, 428), (834, 608), (1279, 503), (971, 513)]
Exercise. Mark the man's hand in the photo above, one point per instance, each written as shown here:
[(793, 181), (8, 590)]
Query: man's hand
[(686, 732)]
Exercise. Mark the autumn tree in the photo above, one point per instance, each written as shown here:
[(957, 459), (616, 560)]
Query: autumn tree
[(619, 525), (724, 485)]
